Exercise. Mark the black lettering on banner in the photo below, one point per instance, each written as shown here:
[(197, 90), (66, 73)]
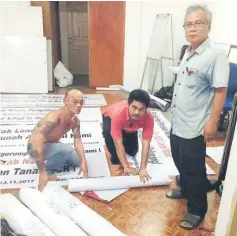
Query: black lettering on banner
[(77, 177), (23, 131), (91, 151), (161, 124), (86, 135), (4, 172), (20, 171), (136, 163), (13, 154), (15, 137), (8, 131), (152, 157), (66, 168), (11, 182)]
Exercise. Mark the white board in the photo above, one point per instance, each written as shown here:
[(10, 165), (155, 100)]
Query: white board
[(23, 63), (49, 213), (80, 213), (50, 65), (20, 218), (21, 21), (158, 37)]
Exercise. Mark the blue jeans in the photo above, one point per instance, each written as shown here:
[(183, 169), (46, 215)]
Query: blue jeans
[(57, 155)]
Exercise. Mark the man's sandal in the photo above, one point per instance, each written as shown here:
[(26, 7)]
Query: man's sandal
[(212, 186), (190, 222)]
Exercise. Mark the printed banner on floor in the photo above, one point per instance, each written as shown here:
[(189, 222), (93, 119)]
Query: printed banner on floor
[(47, 100), (18, 171), (27, 116), (18, 135)]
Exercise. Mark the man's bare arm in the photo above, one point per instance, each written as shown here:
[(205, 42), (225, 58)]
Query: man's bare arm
[(77, 140), (145, 153), (121, 153), (43, 129)]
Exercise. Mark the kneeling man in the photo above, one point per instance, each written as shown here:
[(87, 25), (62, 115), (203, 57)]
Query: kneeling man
[(121, 122), (44, 145)]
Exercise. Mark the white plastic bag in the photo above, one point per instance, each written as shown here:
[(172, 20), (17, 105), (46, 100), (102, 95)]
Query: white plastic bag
[(63, 76)]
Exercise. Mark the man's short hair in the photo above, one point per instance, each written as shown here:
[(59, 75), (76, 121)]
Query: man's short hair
[(196, 7), (139, 95)]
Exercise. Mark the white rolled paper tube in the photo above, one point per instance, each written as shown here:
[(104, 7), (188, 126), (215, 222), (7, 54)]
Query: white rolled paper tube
[(20, 218), (81, 213), (115, 182), (49, 213)]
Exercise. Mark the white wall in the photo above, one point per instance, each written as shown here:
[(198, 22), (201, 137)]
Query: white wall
[(15, 3), (230, 187), (133, 20), (138, 30)]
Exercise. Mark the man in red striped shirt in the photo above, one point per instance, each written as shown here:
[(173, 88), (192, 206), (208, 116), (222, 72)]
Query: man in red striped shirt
[(121, 122)]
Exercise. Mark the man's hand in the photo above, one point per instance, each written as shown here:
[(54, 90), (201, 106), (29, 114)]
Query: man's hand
[(210, 129), (130, 170), (84, 169), (43, 180), (144, 176)]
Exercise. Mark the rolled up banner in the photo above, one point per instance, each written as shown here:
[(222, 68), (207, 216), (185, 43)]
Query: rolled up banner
[(80, 213), (20, 218), (49, 213), (116, 182)]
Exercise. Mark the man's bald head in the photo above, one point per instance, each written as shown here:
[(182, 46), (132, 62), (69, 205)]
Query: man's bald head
[(73, 100), (73, 91)]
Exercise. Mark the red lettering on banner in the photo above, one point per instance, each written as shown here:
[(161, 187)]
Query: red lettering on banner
[(27, 161)]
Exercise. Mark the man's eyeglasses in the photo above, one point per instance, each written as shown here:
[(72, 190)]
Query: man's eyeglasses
[(197, 25), (74, 101)]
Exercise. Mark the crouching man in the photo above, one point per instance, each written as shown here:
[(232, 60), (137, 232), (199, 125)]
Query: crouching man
[(121, 122), (44, 145)]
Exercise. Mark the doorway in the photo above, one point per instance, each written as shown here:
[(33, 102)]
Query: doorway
[(74, 40)]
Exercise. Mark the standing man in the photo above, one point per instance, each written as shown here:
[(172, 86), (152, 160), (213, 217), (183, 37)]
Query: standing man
[(120, 124), (44, 145), (198, 98)]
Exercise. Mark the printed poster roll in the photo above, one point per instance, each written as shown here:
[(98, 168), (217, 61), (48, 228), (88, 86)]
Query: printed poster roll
[(49, 213), (80, 213), (20, 218), (116, 182)]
